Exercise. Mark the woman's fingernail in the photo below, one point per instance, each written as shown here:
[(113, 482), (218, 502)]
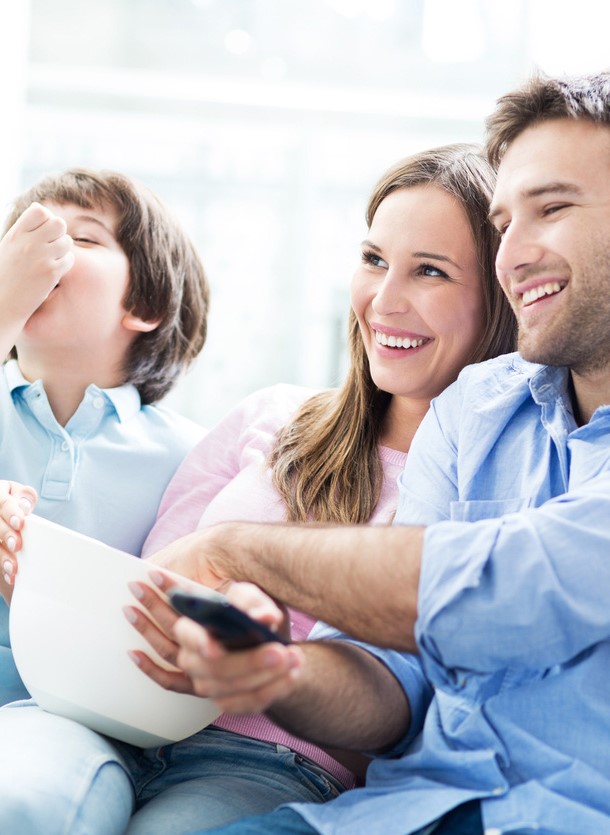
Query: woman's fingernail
[(7, 568), (8, 580), (25, 505), (10, 542), (136, 590), (134, 657), (158, 578), (130, 614), (14, 522)]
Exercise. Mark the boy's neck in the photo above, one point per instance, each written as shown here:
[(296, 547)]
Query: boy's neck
[(64, 382)]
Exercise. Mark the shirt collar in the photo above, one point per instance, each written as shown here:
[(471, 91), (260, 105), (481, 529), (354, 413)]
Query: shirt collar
[(125, 399), (549, 382)]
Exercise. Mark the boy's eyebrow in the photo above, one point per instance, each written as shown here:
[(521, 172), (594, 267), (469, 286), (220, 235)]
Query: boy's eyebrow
[(92, 219), (558, 187)]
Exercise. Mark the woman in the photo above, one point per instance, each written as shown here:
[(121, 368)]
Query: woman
[(425, 303)]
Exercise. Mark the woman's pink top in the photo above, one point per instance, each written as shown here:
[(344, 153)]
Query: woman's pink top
[(226, 478)]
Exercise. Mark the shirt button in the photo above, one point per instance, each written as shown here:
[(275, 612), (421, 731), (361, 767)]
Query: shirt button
[(65, 446), (498, 790), (98, 402)]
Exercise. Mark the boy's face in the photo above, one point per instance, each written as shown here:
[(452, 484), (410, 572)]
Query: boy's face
[(84, 314), (552, 207)]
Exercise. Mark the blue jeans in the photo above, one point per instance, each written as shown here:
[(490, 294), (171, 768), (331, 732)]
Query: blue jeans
[(11, 686), (465, 820), (57, 776)]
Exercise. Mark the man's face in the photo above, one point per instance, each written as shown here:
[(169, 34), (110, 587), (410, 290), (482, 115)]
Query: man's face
[(552, 207)]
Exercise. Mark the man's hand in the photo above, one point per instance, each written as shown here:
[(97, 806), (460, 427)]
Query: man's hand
[(16, 502), (202, 556)]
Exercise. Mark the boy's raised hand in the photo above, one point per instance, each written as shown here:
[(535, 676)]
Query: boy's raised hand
[(34, 255)]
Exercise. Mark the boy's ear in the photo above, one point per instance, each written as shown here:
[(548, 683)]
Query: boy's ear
[(134, 323)]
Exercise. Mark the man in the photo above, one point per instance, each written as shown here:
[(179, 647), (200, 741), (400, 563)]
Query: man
[(504, 593)]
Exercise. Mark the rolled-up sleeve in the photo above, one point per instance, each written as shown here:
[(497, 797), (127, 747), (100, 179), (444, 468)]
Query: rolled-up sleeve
[(536, 580)]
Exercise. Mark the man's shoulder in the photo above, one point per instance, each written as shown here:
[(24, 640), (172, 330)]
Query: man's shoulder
[(503, 370), (490, 391)]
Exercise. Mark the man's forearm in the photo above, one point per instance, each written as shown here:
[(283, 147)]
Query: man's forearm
[(361, 579), (346, 698)]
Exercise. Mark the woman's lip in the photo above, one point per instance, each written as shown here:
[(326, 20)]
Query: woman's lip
[(397, 332), (383, 340)]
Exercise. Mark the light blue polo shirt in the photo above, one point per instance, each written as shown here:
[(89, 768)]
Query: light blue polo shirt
[(103, 474)]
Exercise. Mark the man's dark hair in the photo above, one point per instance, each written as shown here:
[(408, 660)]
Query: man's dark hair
[(541, 99)]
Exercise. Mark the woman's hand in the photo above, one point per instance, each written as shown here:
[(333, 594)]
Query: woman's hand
[(155, 621), (243, 681), (16, 502)]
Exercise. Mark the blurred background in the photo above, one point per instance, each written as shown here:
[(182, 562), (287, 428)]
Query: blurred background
[(264, 125)]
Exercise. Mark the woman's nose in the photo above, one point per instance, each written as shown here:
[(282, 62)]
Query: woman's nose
[(392, 296)]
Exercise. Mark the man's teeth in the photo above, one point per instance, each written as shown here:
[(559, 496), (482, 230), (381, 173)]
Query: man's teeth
[(548, 289), (397, 341)]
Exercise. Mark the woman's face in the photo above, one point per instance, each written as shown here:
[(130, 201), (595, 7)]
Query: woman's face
[(417, 292)]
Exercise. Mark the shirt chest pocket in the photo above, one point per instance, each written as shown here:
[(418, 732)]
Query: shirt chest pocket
[(475, 511)]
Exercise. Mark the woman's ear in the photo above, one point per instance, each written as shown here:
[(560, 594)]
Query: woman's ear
[(134, 323)]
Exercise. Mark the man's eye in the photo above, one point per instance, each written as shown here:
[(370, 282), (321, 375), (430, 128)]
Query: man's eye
[(556, 207)]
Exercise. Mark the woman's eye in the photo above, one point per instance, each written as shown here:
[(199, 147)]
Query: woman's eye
[(84, 240), (369, 257), (433, 272)]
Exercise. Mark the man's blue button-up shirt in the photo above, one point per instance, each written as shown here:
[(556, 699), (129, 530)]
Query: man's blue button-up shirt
[(514, 615)]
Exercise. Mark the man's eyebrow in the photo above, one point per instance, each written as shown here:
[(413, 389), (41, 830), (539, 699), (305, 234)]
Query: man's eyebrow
[(558, 187)]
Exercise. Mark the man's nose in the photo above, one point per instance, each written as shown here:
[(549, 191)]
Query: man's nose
[(519, 248)]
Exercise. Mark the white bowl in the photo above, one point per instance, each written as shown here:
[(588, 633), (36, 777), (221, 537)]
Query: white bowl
[(70, 640)]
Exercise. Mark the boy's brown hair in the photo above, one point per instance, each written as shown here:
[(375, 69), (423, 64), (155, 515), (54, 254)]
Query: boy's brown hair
[(167, 281)]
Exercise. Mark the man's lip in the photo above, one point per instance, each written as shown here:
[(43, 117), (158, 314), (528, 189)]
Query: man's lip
[(526, 286), (540, 291)]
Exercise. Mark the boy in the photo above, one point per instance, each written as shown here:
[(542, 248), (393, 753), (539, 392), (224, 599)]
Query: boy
[(103, 301)]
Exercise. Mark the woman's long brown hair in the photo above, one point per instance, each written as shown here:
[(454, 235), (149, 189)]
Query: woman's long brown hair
[(325, 462)]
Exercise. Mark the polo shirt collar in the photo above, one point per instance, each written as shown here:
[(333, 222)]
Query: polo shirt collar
[(125, 399)]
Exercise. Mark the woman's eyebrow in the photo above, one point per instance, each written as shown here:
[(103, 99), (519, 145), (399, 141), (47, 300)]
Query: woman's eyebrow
[(371, 245), (436, 257)]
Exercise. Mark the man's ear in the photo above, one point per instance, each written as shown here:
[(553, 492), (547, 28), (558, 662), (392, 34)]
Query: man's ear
[(134, 323)]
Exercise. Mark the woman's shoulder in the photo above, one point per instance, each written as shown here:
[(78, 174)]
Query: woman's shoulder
[(277, 402)]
